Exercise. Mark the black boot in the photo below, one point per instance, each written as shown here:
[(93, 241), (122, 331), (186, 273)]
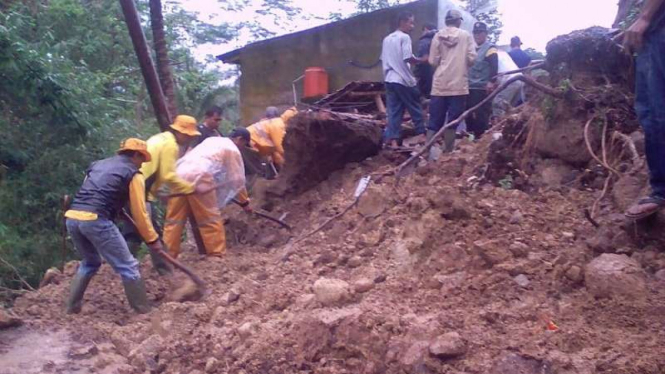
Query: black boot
[(77, 290), (135, 292)]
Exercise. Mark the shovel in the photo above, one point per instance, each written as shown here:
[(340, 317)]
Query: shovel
[(267, 216), (202, 290)]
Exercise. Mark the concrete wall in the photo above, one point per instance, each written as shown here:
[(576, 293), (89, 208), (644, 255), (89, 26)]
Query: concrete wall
[(269, 67)]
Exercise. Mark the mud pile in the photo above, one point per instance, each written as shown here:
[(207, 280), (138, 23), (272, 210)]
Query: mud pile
[(468, 265), (318, 143)]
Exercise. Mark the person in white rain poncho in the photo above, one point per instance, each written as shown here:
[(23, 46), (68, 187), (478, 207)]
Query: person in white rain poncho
[(216, 165)]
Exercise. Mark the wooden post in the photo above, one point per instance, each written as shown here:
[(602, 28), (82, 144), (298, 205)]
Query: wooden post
[(145, 62), (162, 56)]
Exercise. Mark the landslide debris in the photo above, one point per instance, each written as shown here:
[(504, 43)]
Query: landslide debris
[(480, 262)]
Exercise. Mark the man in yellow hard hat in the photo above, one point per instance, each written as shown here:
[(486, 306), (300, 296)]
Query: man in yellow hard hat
[(109, 185), (165, 149), (268, 134)]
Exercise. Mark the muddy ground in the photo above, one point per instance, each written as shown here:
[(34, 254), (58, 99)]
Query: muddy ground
[(482, 262), (437, 274)]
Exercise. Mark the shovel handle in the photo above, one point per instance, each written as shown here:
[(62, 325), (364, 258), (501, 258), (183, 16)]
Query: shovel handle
[(177, 264), (267, 216)]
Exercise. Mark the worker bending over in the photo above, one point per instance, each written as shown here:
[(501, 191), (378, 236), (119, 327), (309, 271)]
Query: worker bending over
[(109, 185), (165, 149), (268, 134), (217, 164)]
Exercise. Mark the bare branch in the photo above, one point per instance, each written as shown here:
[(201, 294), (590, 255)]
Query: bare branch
[(26, 284)]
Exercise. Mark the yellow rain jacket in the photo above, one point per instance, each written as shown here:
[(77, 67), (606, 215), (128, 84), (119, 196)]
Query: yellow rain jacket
[(267, 136), (161, 169)]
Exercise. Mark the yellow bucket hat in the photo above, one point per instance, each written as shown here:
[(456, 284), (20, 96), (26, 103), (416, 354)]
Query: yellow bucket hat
[(137, 145), (185, 125)]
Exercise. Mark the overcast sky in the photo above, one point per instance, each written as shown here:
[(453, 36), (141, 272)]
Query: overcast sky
[(535, 21)]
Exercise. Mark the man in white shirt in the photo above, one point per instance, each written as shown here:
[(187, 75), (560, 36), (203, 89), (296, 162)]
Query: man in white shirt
[(401, 85)]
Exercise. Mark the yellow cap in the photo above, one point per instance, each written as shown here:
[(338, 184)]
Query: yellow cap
[(134, 144), (185, 125)]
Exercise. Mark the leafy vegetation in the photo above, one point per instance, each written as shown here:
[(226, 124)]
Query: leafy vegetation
[(70, 90)]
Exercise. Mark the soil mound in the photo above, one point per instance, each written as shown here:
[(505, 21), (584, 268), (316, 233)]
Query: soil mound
[(480, 262)]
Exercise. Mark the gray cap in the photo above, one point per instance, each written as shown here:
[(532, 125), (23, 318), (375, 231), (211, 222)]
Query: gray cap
[(453, 15)]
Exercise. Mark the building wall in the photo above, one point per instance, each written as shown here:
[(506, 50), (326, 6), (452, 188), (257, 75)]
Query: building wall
[(269, 67)]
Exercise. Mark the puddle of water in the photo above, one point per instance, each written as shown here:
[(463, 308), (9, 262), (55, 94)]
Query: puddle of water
[(26, 352)]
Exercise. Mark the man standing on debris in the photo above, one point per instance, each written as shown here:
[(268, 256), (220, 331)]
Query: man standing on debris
[(165, 149), (108, 186), (647, 37), (424, 72), (267, 136), (217, 164), (401, 91), (451, 54), (210, 125), (520, 57), (482, 81)]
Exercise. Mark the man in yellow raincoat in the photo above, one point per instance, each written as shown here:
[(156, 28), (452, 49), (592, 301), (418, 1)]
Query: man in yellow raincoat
[(217, 165), (267, 135), (165, 149)]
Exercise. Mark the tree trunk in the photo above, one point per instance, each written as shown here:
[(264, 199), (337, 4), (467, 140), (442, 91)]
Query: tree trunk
[(145, 62), (161, 51)]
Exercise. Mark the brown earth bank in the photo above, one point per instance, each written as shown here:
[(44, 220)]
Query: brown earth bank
[(480, 262)]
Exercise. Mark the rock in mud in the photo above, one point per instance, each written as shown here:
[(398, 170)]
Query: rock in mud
[(415, 355), (246, 330), (522, 280), (608, 240), (519, 249), (575, 274), (516, 364), (516, 218), (211, 365), (449, 345), (660, 275), (450, 205), (52, 276), (612, 275), (363, 285), (491, 252), (144, 354), (8, 320), (331, 291), (354, 262)]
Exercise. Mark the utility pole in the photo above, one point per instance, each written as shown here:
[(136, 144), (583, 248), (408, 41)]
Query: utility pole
[(145, 62)]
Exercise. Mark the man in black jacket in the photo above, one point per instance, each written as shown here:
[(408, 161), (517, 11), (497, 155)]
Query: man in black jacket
[(109, 185), (210, 125), (424, 72)]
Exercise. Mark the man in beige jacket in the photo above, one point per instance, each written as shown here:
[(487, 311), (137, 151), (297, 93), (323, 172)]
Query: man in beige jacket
[(452, 52)]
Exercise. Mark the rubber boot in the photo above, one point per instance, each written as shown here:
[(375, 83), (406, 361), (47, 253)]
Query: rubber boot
[(449, 140), (135, 292), (160, 264), (430, 134), (77, 290)]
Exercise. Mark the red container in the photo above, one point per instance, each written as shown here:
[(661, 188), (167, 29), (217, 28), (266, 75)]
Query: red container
[(316, 82)]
